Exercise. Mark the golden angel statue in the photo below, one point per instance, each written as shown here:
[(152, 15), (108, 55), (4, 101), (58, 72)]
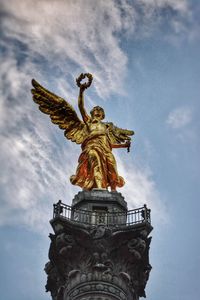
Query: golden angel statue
[(96, 165)]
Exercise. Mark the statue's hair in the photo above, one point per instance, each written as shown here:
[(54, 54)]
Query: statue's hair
[(97, 108)]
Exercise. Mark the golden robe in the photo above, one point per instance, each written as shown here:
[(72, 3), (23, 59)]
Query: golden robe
[(97, 165)]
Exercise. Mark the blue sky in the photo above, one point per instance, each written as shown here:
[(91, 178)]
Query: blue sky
[(144, 56)]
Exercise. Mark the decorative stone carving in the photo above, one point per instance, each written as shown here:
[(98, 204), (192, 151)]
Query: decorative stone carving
[(101, 261)]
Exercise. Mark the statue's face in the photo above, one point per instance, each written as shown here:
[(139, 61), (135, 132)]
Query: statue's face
[(98, 114)]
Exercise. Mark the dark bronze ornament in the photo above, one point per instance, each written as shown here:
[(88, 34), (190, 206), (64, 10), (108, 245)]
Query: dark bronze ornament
[(86, 84)]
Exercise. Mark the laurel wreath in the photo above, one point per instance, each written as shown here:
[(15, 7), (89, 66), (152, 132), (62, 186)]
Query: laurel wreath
[(82, 76)]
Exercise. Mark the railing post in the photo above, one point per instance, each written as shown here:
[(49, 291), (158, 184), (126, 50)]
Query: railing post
[(145, 212), (58, 209)]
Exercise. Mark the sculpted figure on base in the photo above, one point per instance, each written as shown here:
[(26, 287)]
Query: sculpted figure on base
[(96, 165)]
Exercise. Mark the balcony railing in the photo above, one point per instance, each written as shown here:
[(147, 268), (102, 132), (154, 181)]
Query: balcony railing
[(131, 217)]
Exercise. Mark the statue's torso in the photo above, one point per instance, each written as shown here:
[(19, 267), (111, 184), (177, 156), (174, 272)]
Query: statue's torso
[(97, 128)]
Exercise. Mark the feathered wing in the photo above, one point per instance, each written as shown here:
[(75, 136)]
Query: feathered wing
[(60, 112), (118, 135)]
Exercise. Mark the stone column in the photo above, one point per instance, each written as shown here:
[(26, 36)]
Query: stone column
[(98, 261)]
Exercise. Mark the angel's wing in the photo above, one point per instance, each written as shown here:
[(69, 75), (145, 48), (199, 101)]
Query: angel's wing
[(60, 112), (118, 135)]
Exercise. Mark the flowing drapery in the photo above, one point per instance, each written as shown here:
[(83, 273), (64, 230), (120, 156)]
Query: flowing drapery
[(97, 165)]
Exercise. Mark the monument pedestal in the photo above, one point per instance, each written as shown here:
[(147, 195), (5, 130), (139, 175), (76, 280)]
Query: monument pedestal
[(99, 249)]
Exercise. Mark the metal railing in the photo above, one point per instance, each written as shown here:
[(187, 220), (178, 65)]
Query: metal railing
[(131, 217)]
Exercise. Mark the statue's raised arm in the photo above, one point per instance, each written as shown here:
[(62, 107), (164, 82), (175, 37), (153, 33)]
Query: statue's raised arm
[(83, 87), (97, 166)]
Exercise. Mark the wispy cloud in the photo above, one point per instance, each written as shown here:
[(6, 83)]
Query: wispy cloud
[(179, 117), (72, 36), (170, 13), (54, 41), (141, 189), (177, 5), (49, 41)]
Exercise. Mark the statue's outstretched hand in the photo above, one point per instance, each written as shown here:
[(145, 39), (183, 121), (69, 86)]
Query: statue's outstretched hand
[(85, 85)]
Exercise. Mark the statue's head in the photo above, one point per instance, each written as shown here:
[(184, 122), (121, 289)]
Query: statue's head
[(98, 113)]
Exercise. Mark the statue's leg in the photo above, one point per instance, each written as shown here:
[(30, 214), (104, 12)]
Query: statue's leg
[(114, 179), (95, 169)]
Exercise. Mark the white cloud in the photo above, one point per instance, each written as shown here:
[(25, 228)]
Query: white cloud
[(141, 189), (179, 117), (78, 33)]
